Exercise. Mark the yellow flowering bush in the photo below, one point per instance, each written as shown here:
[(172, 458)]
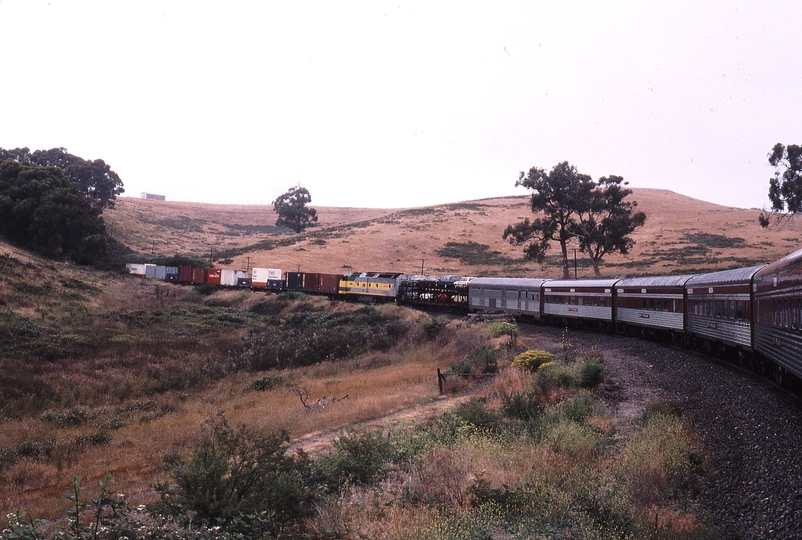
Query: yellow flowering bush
[(532, 359)]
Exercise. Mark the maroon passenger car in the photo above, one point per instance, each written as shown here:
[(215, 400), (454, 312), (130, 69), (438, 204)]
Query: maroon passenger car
[(651, 305), (778, 317), (719, 311), (579, 301)]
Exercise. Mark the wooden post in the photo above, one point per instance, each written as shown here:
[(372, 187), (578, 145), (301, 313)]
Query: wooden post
[(440, 378)]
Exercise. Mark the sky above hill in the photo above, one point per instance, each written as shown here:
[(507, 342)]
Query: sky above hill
[(397, 104)]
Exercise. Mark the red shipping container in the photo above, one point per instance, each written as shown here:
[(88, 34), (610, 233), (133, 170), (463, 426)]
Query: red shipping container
[(198, 276), (185, 274), (213, 276), (329, 283), (310, 281)]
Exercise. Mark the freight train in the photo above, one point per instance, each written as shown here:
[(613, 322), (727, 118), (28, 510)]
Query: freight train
[(753, 314)]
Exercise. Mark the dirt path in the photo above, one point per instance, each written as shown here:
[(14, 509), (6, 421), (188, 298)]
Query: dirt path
[(316, 442), (628, 390)]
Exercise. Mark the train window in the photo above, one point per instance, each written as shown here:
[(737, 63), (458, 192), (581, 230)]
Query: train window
[(739, 310), (793, 314), (732, 309), (787, 313)]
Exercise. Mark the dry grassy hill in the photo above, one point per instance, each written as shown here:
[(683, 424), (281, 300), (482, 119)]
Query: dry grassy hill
[(682, 235)]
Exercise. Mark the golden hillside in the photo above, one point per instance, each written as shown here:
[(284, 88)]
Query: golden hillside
[(681, 235)]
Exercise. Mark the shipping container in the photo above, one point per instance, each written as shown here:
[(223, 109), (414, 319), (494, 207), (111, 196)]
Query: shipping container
[(136, 269), (198, 276), (230, 278), (171, 274), (150, 271), (259, 277), (185, 274), (328, 283), (295, 281), (212, 276)]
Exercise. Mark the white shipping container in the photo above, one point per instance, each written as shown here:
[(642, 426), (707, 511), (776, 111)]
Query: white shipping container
[(259, 276), (273, 273), (228, 278), (150, 271), (136, 269)]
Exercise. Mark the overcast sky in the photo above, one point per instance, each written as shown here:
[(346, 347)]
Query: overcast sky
[(394, 104)]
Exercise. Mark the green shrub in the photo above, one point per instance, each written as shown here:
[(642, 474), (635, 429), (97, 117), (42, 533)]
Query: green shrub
[(476, 413), (592, 374), (97, 438), (358, 458), (525, 406), (432, 326), (72, 417), (531, 360), (240, 479), (207, 289), (578, 409), (556, 376), (664, 408), (503, 329), (485, 360), (267, 382)]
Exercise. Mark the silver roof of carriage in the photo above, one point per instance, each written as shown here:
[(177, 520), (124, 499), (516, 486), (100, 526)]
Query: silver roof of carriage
[(655, 281), (507, 281), (725, 277)]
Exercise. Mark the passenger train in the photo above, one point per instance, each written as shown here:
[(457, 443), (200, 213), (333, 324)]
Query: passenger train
[(753, 314)]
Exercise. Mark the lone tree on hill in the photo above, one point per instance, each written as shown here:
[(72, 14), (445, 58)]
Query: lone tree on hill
[(292, 211), (605, 224), (574, 206), (94, 179), (560, 195), (785, 188)]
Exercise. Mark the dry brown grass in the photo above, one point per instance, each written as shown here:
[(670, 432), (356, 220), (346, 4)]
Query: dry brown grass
[(398, 239), (366, 387)]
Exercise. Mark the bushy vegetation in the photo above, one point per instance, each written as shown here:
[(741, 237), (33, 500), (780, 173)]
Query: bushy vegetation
[(532, 454), (473, 253), (532, 359), (309, 337)]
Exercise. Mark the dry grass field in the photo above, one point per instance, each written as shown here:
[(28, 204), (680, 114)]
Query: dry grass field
[(102, 372), (681, 235)]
